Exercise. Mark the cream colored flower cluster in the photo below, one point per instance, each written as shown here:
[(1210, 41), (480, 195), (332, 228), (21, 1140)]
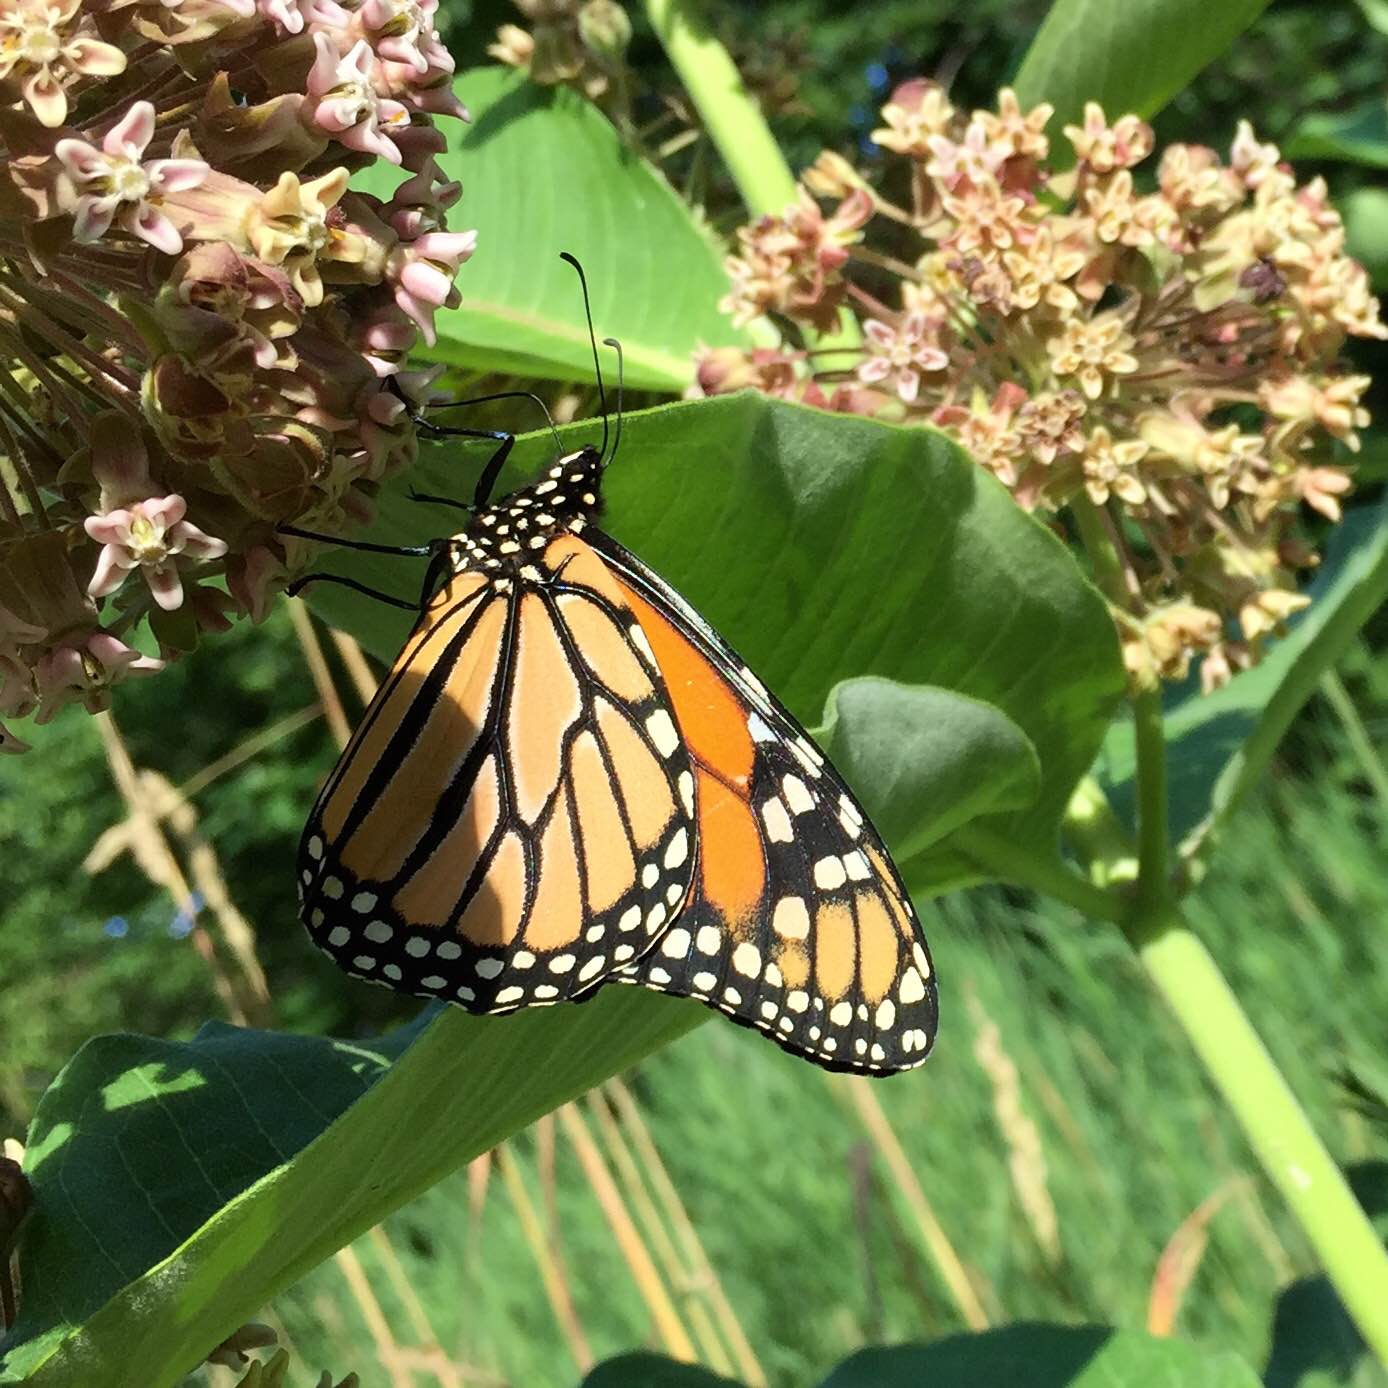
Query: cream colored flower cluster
[(1156, 354), (202, 330)]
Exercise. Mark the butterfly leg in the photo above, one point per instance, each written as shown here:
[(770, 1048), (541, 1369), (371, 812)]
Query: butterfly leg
[(416, 550), (299, 584)]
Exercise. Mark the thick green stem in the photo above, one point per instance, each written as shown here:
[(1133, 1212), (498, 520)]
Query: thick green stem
[(1370, 763), (1283, 1139), (731, 115), (735, 124), (1097, 837), (1153, 835), (1008, 861)]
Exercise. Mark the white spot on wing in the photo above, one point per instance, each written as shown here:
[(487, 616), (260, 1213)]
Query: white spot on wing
[(747, 960), (676, 944), (678, 849), (662, 732), (777, 822), (797, 796), (790, 919), (828, 874)]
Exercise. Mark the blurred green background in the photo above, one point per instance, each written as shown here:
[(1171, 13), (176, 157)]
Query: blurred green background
[(1061, 1137)]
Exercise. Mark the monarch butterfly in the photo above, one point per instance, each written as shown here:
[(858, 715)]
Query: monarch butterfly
[(570, 779)]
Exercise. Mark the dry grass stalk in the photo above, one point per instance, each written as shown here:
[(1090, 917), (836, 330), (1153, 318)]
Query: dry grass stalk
[(633, 1248), (317, 662), (748, 1366), (861, 1096), (1026, 1159), (387, 1351), (429, 1352), (142, 836), (248, 749), (678, 1273), (551, 1275), (354, 662)]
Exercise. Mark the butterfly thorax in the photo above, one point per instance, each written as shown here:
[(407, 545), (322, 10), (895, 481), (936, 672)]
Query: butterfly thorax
[(509, 537)]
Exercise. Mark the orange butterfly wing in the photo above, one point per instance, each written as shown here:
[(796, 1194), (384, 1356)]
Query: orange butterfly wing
[(798, 923), (512, 821)]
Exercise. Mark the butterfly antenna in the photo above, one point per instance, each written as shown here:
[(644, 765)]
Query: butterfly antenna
[(621, 379), (593, 340)]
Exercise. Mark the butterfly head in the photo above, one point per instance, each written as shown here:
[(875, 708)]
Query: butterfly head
[(512, 532)]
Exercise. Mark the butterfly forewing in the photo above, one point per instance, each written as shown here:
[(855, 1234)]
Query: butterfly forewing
[(798, 923), (513, 820)]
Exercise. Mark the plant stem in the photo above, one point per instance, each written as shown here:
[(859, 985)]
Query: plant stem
[(738, 128), (1338, 697), (1108, 567), (1010, 861), (1153, 836), (1098, 837), (734, 120), (1278, 1130)]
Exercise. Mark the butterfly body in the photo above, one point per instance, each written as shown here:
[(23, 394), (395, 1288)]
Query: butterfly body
[(569, 779)]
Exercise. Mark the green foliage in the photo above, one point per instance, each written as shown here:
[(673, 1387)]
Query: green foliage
[(935, 760), (544, 173), (1130, 57), (1042, 1356), (276, 1207), (1359, 136)]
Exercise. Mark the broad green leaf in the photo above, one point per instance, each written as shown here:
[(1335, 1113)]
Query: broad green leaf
[(826, 547), (1218, 745), (1129, 56), (1045, 1356), (1365, 211), (1359, 136), (934, 759), (652, 1371), (180, 1186), (542, 172)]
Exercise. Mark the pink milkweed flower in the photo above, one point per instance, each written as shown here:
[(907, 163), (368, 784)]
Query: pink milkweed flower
[(148, 535), (345, 102), (84, 670), (115, 184), (47, 44), (421, 273)]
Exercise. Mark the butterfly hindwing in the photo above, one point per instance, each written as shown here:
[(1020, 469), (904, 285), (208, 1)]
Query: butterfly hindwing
[(512, 821), (798, 923)]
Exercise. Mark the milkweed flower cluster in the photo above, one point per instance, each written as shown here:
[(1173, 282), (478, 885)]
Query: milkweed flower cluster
[(576, 43), (1154, 351), (202, 329)]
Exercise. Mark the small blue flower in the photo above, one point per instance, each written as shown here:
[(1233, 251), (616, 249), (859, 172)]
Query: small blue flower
[(117, 928)]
